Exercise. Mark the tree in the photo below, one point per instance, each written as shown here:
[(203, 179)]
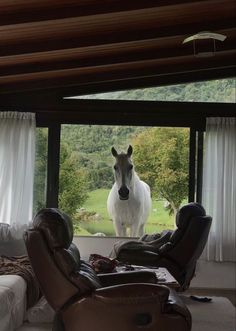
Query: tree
[(100, 176), (40, 169), (161, 159), (73, 187)]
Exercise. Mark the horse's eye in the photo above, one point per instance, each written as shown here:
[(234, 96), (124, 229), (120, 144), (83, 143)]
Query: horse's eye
[(115, 167), (131, 167)]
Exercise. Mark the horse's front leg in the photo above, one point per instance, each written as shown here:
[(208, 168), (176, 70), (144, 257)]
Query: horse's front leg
[(120, 229), (137, 230), (141, 230)]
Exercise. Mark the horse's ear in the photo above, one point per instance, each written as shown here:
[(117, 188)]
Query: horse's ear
[(129, 150), (114, 152)]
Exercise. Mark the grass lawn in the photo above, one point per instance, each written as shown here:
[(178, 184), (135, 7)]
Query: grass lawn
[(158, 220)]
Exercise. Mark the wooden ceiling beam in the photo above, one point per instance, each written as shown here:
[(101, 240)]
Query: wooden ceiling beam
[(63, 46), (59, 92), (143, 82), (108, 54), (116, 27), (54, 96), (139, 69), (22, 11), (93, 55)]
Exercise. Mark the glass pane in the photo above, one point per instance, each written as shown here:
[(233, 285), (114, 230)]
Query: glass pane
[(221, 90), (40, 173), (160, 157)]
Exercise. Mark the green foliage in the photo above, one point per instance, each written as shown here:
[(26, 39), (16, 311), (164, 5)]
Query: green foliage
[(73, 182), (40, 169), (221, 90), (79, 231), (92, 145), (161, 159), (100, 175)]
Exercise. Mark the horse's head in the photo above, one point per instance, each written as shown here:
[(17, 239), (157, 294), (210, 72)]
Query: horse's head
[(123, 172)]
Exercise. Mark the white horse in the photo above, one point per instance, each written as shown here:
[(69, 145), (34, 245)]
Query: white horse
[(129, 201)]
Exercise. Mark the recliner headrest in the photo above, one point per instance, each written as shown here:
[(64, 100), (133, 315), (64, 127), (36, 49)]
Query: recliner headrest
[(56, 226), (188, 211)]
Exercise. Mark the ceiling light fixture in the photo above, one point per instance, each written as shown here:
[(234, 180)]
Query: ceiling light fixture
[(200, 38)]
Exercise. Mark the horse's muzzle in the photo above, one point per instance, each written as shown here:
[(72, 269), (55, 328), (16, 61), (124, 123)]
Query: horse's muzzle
[(123, 193), (123, 198)]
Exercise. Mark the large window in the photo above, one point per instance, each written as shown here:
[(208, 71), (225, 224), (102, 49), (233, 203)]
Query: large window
[(160, 157), (165, 157)]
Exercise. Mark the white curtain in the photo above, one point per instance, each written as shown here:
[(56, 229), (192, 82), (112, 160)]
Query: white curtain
[(17, 156), (219, 188)]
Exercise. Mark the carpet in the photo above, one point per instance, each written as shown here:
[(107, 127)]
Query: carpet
[(217, 315)]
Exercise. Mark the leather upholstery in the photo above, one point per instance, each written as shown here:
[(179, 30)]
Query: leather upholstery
[(9, 245), (86, 301), (56, 226), (177, 250)]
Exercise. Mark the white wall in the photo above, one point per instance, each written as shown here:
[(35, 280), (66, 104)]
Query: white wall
[(98, 245), (219, 275)]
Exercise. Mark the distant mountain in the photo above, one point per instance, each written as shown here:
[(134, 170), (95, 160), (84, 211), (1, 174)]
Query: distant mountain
[(223, 90)]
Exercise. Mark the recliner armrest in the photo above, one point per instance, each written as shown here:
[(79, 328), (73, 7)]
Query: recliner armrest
[(125, 277), (152, 292)]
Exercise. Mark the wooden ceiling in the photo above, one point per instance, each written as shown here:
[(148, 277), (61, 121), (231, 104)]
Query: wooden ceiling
[(72, 47)]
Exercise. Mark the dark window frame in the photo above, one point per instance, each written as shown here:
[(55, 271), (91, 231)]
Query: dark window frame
[(53, 166)]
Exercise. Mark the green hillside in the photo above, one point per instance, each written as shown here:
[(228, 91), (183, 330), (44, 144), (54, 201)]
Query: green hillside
[(223, 90)]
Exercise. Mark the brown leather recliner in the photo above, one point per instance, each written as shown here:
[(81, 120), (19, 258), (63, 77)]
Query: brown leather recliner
[(177, 250), (85, 301)]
